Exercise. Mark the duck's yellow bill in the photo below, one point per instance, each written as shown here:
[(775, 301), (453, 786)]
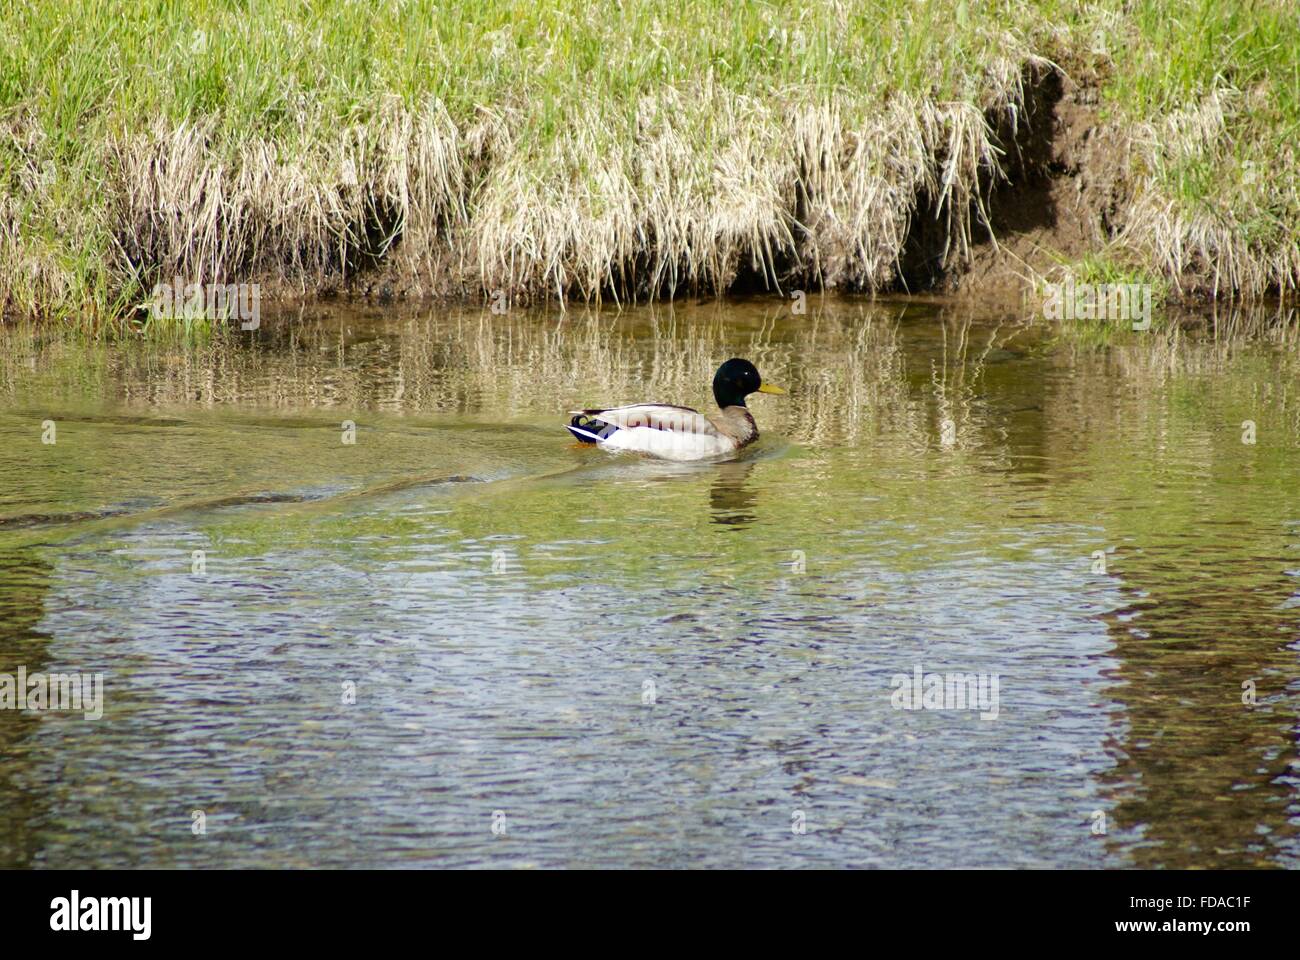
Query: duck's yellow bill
[(771, 388)]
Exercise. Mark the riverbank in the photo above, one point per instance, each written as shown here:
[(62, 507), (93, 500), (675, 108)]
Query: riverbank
[(485, 151)]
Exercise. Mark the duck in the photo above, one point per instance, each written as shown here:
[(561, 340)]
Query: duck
[(671, 432)]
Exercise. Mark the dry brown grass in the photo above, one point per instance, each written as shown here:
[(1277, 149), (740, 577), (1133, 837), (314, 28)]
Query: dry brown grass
[(182, 210), (796, 198)]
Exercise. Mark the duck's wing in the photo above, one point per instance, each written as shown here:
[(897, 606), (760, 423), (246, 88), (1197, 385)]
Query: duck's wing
[(656, 416), (659, 429)]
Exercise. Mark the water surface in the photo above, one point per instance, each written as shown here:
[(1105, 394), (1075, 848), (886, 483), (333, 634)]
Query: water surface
[(630, 663)]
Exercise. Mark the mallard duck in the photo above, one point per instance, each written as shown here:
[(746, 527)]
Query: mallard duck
[(680, 433)]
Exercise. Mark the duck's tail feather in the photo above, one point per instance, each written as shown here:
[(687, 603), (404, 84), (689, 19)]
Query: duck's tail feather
[(587, 429)]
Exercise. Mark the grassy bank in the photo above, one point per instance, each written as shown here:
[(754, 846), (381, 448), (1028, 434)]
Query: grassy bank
[(560, 149)]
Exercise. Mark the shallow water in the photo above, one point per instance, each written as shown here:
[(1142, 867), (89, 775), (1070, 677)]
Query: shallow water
[(627, 663)]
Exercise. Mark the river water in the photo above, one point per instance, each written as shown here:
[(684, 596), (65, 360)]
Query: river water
[(357, 599)]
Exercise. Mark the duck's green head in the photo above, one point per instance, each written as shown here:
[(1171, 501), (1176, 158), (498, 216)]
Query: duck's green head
[(735, 380)]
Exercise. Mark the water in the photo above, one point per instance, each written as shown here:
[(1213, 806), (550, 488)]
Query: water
[(629, 663)]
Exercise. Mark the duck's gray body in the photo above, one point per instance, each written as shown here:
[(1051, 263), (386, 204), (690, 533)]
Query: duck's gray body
[(666, 431)]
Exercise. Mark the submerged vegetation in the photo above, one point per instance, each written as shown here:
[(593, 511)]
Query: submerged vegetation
[(562, 149)]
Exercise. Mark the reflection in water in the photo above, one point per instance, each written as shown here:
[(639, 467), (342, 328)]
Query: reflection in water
[(578, 638), (1199, 625), (731, 500), (1203, 547), (24, 588)]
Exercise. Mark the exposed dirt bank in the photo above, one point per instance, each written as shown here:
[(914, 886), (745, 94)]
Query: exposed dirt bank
[(923, 197), (1064, 195), (1058, 190)]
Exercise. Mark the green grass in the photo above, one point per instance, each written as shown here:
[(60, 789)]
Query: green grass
[(535, 169)]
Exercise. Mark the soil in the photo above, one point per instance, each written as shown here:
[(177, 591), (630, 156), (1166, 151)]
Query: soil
[(1063, 196)]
